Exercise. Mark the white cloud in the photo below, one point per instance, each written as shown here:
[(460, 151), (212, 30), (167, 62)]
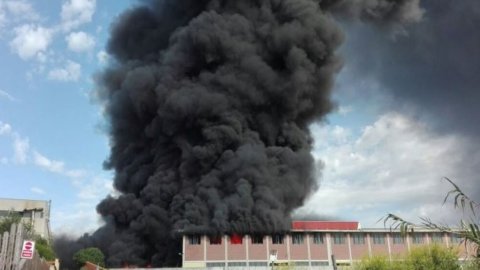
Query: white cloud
[(77, 12), (49, 165), (6, 95), (3, 17), (21, 10), (30, 40), (96, 189), (80, 41), (5, 128), (37, 190), (21, 146), (103, 57), (70, 72), (55, 166), (394, 165)]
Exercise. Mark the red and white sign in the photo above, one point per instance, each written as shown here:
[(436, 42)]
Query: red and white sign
[(28, 249)]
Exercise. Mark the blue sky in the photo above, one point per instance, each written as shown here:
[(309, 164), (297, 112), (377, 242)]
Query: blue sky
[(51, 142), (52, 145)]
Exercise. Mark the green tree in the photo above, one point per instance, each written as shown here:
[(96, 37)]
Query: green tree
[(92, 254)]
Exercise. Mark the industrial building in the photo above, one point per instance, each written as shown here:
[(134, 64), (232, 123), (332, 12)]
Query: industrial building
[(312, 244), (34, 212)]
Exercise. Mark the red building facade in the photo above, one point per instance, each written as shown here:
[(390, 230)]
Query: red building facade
[(311, 244)]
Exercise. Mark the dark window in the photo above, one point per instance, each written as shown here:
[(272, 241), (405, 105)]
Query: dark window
[(297, 238), (398, 239), (215, 240), (437, 238), (277, 239), (194, 239), (318, 238), (417, 238), (339, 238), (456, 238), (358, 238), (257, 239), (378, 238)]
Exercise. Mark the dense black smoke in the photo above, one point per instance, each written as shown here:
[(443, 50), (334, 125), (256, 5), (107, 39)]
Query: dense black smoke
[(209, 104)]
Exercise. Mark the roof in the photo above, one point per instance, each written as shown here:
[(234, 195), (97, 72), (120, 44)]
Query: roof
[(325, 225)]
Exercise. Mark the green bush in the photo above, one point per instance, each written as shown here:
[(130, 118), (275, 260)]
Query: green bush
[(432, 257), (44, 249), (93, 255)]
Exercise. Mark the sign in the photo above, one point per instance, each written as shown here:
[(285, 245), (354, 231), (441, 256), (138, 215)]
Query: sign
[(28, 249)]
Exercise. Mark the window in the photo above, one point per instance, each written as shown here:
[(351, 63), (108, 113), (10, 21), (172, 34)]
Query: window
[(456, 238), (358, 238), (258, 264), (417, 238), (301, 263), (378, 238), (237, 264), (338, 238), (215, 264), (194, 239), (215, 240), (398, 239), (297, 238), (320, 263), (318, 238), (257, 239), (437, 238), (236, 239), (277, 239)]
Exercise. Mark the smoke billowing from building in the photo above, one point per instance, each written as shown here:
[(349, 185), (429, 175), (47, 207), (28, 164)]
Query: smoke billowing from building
[(209, 104)]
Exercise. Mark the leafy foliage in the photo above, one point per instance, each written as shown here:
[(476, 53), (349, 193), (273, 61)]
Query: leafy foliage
[(468, 230), (45, 250), (93, 255), (7, 221), (423, 258)]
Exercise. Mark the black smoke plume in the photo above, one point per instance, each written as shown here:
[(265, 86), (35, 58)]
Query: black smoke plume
[(209, 104)]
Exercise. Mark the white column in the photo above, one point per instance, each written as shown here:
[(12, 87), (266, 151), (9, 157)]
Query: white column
[(349, 237), (205, 238), (329, 248), (407, 238), (267, 239), (387, 235), (309, 251), (287, 238), (247, 238), (225, 237), (183, 250), (369, 241)]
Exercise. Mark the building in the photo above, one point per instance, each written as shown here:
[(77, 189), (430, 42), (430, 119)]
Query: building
[(34, 212), (312, 244)]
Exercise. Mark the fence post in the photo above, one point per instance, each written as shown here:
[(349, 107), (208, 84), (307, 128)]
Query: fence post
[(10, 247), (18, 246), (3, 251)]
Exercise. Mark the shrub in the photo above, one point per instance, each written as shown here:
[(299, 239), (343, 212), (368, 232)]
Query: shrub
[(93, 255)]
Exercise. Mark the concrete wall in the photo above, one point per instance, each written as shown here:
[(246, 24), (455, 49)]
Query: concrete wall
[(33, 212)]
